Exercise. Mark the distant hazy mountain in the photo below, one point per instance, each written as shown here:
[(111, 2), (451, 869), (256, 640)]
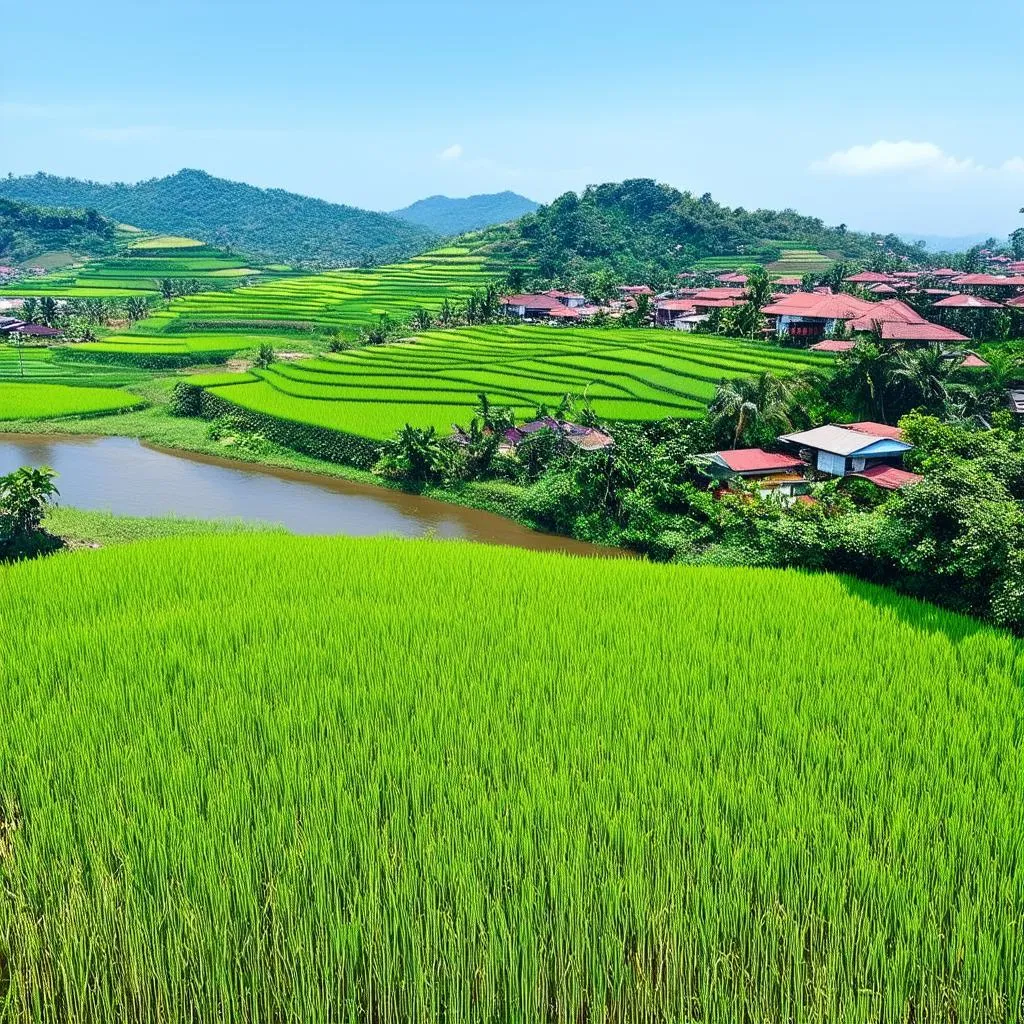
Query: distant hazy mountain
[(445, 216), (271, 224), (27, 231)]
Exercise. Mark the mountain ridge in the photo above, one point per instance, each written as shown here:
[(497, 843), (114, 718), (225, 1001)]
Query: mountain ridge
[(272, 224), (446, 215)]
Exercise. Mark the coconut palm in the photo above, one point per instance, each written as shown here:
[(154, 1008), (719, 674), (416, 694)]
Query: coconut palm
[(747, 406)]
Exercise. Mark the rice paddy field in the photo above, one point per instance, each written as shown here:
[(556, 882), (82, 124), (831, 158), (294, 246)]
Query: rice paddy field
[(793, 262), (139, 269), (344, 299), (43, 366), (42, 401), (266, 778), (435, 379)]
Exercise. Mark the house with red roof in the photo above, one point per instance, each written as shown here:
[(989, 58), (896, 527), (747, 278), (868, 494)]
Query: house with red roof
[(840, 451), (552, 304), (814, 315), (635, 289), (770, 472), (869, 277)]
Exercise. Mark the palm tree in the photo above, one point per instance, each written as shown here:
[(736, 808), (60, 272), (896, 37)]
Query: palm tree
[(864, 378), (922, 380), (744, 403)]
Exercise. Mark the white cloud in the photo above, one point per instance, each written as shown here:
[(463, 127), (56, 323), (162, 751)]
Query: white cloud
[(453, 152), (1015, 165), (884, 157)]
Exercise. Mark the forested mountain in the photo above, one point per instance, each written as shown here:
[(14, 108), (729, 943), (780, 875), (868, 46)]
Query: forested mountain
[(644, 231), (27, 231), (270, 224), (446, 216)]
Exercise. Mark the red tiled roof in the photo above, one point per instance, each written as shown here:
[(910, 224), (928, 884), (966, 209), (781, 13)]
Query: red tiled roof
[(869, 277), (820, 306), (973, 361), (988, 281), (716, 303), (719, 293), (531, 301), (674, 305), (876, 429), (887, 311), (635, 289), (943, 272), (1017, 302), (882, 289), (789, 282), (907, 273), (966, 302), (35, 330), (555, 294), (755, 460), (733, 277), (833, 345), (889, 477), (892, 331), (563, 312)]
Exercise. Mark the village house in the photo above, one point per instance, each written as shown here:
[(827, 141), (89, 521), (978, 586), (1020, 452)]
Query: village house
[(872, 451), (813, 315), (10, 326), (548, 305), (588, 439), (770, 472), (1016, 400)]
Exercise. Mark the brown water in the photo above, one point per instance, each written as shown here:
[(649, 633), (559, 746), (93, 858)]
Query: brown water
[(121, 475)]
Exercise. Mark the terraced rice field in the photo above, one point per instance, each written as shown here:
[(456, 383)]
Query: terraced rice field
[(797, 262), (195, 348), (345, 299), (42, 401), (42, 365), (265, 778), (140, 268), (434, 380)]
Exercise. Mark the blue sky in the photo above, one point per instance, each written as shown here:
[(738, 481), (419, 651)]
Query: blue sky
[(901, 115)]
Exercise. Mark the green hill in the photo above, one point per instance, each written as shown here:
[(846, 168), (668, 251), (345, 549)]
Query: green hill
[(446, 216), (28, 231), (643, 231), (270, 778), (270, 224)]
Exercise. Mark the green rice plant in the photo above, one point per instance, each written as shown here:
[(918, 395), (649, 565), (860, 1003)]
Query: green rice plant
[(435, 379), (266, 778), (43, 401)]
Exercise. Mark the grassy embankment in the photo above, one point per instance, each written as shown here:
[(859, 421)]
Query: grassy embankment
[(335, 793)]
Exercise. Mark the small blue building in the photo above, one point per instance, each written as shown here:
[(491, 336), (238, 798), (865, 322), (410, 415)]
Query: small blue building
[(842, 451)]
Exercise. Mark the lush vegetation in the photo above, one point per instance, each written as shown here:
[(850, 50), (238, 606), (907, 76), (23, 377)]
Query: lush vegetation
[(35, 401), (718, 794), (337, 307), (270, 224), (158, 267), (27, 231), (445, 216), (644, 232), (436, 379)]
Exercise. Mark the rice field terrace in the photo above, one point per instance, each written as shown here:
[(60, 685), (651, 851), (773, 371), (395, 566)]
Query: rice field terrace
[(347, 299), (43, 401), (44, 366), (140, 268), (265, 778), (435, 379), (794, 261)]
